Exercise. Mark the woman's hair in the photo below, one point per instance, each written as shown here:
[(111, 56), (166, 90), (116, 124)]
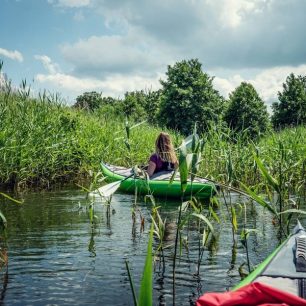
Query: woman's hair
[(164, 148)]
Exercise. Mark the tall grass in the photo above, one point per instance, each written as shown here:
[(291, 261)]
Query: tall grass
[(283, 153), (43, 141)]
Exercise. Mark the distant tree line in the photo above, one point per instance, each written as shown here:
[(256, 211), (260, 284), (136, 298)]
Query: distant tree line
[(188, 96)]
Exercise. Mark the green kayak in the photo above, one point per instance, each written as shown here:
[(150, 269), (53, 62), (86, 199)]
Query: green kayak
[(279, 280), (285, 268), (158, 185)]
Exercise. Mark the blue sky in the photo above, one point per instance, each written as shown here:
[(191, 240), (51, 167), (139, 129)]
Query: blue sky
[(114, 46)]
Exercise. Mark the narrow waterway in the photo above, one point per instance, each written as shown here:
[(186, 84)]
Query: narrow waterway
[(57, 258)]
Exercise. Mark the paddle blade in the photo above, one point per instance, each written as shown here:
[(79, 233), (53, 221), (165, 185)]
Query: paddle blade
[(187, 142), (107, 190)]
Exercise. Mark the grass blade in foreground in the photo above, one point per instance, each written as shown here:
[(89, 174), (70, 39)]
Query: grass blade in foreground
[(131, 283), (10, 198), (145, 294), (3, 219), (203, 218), (272, 181), (258, 199), (293, 211)]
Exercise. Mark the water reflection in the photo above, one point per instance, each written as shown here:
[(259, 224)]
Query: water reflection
[(91, 244), (57, 256), (4, 282)]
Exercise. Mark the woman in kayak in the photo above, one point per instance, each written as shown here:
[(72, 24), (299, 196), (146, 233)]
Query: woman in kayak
[(164, 158)]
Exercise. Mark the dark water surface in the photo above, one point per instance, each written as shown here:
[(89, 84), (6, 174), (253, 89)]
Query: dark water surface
[(57, 258)]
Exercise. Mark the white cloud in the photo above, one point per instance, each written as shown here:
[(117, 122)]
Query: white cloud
[(51, 67), (230, 34), (227, 85), (114, 86), (232, 11), (104, 55), (221, 33), (267, 82), (68, 82), (14, 55), (257, 41)]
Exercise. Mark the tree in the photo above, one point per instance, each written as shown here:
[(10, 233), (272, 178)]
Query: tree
[(291, 109), (133, 104), (89, 101), (187, 97), (246, 111), (151, 105)]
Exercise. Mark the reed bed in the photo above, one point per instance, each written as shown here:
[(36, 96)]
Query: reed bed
[(43, 141), (228, 161)]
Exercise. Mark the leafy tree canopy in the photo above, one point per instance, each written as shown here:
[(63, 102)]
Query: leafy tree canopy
[(291, 109), (151, 105), (246, 111), (133, 104), (187, 97), (89, 101)]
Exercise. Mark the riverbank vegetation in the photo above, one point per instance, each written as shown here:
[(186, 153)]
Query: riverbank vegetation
[(43, 141)]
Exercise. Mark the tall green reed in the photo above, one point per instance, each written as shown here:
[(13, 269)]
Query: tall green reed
[(146, 285), (188, 163), (279, 201), (43, 142)]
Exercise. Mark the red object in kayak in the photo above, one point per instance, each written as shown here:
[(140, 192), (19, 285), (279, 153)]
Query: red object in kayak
[(254, 294)]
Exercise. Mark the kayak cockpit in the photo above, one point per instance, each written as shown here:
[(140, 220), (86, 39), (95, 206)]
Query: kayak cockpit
[(159, 184), (281, 277), (159, 176)]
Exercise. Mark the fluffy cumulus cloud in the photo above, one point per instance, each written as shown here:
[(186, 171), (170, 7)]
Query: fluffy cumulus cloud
[(268, 82), (14, 55), (222, 33), (104, 55), (113, 85), (265, 36), (51, 67)]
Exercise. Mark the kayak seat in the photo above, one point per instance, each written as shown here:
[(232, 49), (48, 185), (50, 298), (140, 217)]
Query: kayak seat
[(162, 175), (120, 170), (283, 283), (294, 286)]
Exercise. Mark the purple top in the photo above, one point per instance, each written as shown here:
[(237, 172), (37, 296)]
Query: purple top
[(161, 165)]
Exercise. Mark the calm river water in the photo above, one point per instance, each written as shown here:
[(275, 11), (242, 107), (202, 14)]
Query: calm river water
[(57, 258)]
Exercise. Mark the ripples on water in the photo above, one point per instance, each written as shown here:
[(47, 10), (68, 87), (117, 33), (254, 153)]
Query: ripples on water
[(56, 258)]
